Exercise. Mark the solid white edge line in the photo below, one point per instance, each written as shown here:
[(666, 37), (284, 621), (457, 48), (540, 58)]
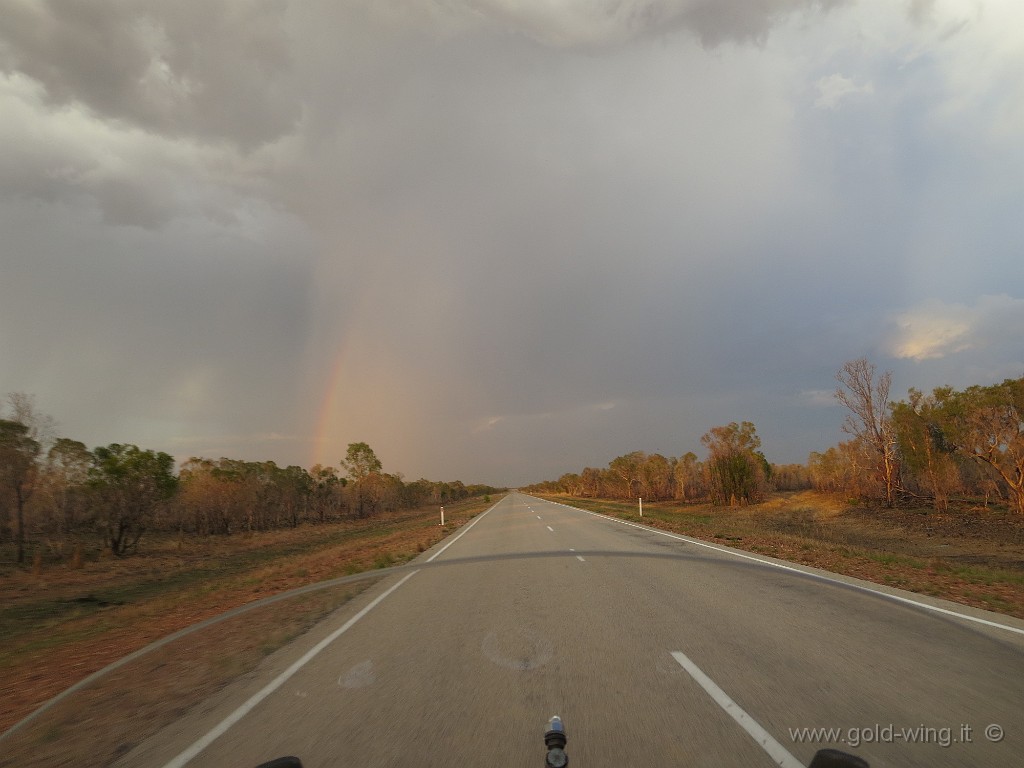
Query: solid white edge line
[(794, 569), (776, 751), (464, 531), (222, 727)]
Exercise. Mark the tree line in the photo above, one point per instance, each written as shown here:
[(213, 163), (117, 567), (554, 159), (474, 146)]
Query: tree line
[(935, 449), (963, 446), (735, 472), (56, 494)]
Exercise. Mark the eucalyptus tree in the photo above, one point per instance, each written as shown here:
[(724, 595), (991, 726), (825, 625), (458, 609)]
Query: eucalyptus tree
[(928, 459), (361, 463), (736, 470), (986, 425), (688, 477), (625, 471), (23, 437), (129, 485), (65, 477), (18, 472)]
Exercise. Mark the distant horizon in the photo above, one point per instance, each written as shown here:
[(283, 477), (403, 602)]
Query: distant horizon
[(408, 477)]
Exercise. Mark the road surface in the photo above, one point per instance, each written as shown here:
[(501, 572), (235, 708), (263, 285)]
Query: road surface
[(666, 652)]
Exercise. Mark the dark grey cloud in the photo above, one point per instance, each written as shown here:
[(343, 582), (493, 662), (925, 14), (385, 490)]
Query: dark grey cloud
[(147, 111), (496, 240), (588, 24), (214, 70)]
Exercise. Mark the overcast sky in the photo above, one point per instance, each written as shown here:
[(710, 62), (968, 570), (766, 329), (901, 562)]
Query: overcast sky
[(500, 240)]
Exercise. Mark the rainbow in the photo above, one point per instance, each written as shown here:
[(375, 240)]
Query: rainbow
[(328, 413)]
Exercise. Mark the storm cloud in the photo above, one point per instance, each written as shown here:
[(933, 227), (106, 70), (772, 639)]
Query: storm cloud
[(500, 241)]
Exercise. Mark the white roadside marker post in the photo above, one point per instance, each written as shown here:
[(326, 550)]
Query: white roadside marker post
[(442, 515), (641, 507)]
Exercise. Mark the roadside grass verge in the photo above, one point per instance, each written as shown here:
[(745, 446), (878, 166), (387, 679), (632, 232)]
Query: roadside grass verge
[(63, 624), (111, 716)]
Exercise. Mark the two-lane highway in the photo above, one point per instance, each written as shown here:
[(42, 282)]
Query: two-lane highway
[(653, 649)]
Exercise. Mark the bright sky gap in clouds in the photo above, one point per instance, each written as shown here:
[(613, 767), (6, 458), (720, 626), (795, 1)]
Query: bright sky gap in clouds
[(499, 240)]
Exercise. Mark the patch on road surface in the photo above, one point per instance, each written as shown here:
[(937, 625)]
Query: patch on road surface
[(521, 649), (360, 676)]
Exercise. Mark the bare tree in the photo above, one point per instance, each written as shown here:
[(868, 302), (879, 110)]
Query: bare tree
[(867, 397), (41, 427)]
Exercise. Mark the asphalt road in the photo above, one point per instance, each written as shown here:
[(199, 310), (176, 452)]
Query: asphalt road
[(654, 650)]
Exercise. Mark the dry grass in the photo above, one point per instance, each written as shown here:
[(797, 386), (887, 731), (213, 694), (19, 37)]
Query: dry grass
[(64, 623), (123, 708)]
